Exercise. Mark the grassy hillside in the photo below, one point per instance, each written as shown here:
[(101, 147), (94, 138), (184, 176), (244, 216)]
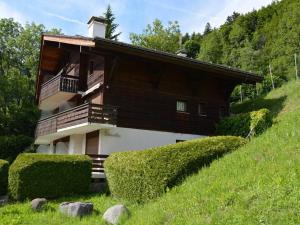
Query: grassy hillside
[(259, 184)]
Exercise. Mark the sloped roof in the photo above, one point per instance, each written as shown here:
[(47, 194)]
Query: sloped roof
[(241, 76)]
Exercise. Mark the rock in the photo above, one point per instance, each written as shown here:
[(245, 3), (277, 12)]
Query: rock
[(36, 204), (114, 213), (3, 200), (76, 208)]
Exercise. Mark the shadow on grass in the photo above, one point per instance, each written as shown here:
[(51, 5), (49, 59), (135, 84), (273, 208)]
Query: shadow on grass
[(275, 105)]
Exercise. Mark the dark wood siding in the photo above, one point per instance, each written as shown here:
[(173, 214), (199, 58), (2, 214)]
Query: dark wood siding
[(146, 95)]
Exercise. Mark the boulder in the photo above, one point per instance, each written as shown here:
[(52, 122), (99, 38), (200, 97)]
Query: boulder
[(3, 200), (36, 204), (114, 213), (76, 208)]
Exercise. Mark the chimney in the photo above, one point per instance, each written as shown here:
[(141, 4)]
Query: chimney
[(96, 27)]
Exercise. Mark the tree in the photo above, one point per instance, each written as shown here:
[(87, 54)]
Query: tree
[(211, 48), (19, 57), (192, 47), (110, 32), (158, 37), (207, 29), (232, 18)]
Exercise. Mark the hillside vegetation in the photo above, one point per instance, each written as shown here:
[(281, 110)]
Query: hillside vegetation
[(258, 184)]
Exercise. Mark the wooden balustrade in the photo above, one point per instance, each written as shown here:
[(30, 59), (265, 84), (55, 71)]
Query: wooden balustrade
[(97, 162), (64, 83), (86, 113)]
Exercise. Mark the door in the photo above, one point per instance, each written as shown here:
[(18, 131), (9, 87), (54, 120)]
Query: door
[(92, 143)]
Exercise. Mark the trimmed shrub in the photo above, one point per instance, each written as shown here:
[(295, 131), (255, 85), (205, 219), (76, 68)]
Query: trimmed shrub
[(245, 124), (11, 146), (49, 176), (139, 176), (3, 176)]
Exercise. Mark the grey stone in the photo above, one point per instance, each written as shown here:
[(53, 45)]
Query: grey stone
[(76, 208), (114, 213), (36, 204), (3, 200)]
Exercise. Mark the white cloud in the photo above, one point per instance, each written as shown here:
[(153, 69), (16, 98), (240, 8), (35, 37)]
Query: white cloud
[(7, 12), (64, 18)]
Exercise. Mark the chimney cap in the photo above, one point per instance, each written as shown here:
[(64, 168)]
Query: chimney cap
[(100, 19)]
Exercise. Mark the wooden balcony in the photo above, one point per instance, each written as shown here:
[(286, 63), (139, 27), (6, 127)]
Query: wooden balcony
[(84, 117), (57, 90)]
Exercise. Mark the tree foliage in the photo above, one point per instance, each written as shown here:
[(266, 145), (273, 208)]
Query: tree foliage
[(111, 26), (19, 55), (192, 47), (253, 41), (158, 37)]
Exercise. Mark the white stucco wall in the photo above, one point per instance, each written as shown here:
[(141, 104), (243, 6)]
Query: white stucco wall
[(124, 139), (45, 149), (76, 144)]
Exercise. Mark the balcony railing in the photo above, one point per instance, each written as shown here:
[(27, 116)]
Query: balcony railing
[(86, 113), (64, 83)]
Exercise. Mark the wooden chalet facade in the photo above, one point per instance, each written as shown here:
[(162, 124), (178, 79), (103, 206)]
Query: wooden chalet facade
[(97, 96)]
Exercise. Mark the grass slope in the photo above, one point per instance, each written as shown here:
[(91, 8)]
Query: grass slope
[(259, 184)]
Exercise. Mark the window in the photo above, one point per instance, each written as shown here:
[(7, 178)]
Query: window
[(202, 109), (222, 111), (181, 106), (178, 141), (91, 68)]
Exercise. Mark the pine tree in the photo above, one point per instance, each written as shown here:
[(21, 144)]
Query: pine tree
[(207, 29), (111, 26)]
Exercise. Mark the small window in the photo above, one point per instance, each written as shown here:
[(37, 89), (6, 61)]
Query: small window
[(178, 141), (222, 111), (202, 109), (181, 106), (91, 68)]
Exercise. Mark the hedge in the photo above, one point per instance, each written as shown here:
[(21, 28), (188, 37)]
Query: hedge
[(3, 176), (139, 176), (11, 146), (49, 176), (245, 124)]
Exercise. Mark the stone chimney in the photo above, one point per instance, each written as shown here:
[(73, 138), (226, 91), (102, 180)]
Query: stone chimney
[(96, 27)]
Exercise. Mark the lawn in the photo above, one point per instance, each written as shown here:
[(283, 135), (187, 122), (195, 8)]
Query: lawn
[(257, 184), (21, 213)]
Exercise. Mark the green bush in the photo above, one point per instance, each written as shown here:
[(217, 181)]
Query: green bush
[(241, 124), (139, 176), (3, 176), (11, 146), (49, 176)]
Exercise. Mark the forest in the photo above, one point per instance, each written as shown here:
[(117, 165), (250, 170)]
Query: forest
[(261, 41)]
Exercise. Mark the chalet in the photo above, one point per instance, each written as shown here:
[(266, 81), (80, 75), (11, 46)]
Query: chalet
[(99, 96)]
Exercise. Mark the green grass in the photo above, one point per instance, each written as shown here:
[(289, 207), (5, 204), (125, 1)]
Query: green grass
[(258, 184), (21, 213)]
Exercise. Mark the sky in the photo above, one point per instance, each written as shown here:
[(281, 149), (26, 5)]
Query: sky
[(132, 16)]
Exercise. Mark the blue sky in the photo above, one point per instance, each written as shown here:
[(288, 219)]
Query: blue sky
[(132, 15)]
